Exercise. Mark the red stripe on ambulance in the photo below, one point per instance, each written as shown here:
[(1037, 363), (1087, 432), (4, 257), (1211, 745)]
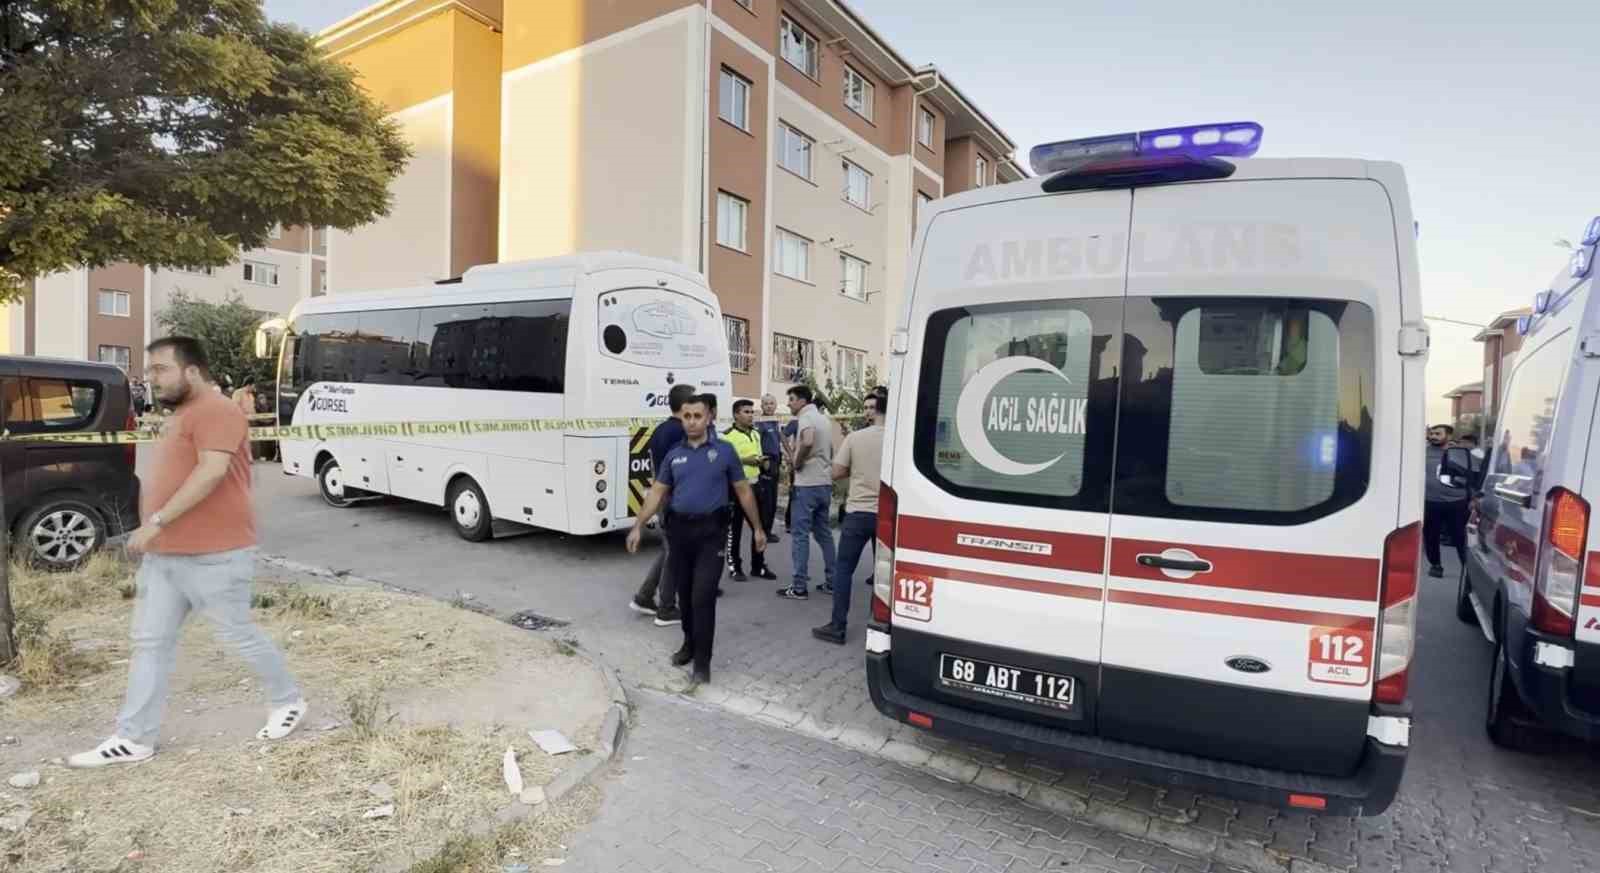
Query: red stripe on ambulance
[(1243, 610), (1302, 575), (1057, 589)]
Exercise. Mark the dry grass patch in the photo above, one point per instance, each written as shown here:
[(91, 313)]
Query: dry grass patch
[(298, 808)]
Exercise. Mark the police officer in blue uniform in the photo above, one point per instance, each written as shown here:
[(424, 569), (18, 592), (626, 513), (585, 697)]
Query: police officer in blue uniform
[(693, 483)]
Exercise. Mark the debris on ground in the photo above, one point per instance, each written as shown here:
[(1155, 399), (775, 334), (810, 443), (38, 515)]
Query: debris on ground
[(29, 779), (553, 742), (533, 795), (9, 685), (385, 811), (16, 820), (381, 790), (533, 621), (512, 772)]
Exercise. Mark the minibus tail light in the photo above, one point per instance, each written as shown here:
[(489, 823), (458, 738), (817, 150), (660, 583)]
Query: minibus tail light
[(1397, 616)]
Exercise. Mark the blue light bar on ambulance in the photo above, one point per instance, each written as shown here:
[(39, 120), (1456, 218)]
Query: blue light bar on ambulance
[(1591, 234), (1582, 260), (1541, 301), (1237, 139)]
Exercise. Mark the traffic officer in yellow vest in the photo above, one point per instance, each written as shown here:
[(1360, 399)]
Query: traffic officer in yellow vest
[(693, 485), (746, 440)]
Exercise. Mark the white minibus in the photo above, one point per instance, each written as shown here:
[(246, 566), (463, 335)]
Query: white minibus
[(584, 337)]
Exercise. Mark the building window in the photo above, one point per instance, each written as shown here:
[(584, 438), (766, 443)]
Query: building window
[(733, 104), (798, 47), (323, 282), (319, 241), (858, 93), (794, 151), (793, 258), (116, 303), (748, 4), (857, 185), (925, 123), (980, 172), (731, 215), (198, 271), (853, 281), (794, 359), (260, 273), (849, 368), (121, 356), (738, 331)]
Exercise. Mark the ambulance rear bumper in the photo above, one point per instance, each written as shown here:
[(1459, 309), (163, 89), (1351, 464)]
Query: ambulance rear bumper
[(1367, 791)]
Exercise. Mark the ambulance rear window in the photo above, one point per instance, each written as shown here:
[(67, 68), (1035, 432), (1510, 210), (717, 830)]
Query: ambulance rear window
[(1020, 402)]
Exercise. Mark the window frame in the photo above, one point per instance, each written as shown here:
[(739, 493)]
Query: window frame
[(733, 326), (731, 83), (733, 200), (846, 261), (866, 88), (251, 268), (805, 243), (785, 132), (805, 351), (787, 28), (127, 355), (860, 355), (980, 171), (123, 297), (846, 166), (927, 123)]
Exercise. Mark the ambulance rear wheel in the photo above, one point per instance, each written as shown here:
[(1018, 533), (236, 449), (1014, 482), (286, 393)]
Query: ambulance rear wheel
[(1464, 610), (469, 510), (1509, 723)]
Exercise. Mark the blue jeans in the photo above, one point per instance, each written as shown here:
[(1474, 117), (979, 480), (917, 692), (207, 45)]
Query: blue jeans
[(810, 505), (858, 530)]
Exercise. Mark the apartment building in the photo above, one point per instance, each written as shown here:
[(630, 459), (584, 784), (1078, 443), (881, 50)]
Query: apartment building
[(1500, 341), (111, 313), (780, 146)]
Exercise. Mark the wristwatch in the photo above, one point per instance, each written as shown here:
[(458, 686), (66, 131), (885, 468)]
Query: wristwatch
[(156, 520)]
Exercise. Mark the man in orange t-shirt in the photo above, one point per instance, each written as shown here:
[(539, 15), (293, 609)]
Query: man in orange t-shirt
[(198, 538)]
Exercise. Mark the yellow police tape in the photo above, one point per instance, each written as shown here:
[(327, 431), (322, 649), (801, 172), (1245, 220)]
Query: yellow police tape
[(380, 429)]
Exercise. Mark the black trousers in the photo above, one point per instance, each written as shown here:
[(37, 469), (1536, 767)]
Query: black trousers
[(758, 561), (1439, 517), (694, 564), (766, 489)]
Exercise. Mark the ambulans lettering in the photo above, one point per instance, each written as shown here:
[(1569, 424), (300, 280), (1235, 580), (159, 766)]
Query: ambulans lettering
[(1192, 247), (982, 414)]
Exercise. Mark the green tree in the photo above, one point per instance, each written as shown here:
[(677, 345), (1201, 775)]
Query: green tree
[(226, 329), (174, 133)]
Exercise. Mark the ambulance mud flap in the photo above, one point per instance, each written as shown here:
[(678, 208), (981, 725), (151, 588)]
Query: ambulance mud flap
[(1367, 791)]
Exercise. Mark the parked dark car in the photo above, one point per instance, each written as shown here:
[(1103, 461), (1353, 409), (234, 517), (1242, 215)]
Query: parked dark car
[(64, 500)]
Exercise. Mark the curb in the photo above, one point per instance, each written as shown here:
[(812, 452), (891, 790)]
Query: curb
[(1170, 828)]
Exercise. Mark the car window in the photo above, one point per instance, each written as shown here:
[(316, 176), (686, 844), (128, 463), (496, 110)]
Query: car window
[(1245, 409), (41, 405), (1022, 400), (1528, 420)]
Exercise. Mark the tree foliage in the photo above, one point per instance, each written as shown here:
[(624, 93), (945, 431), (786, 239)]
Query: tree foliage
[(227, 330), (174, 133)]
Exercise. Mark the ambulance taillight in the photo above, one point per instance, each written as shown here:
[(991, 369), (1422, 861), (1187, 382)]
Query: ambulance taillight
[(883, 570), (1560, 567), (1397, 619)]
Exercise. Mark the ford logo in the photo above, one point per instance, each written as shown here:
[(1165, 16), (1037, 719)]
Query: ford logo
[(1247, 664)]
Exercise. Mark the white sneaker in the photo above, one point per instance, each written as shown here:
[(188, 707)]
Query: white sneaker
[(283, 721), (113, 751)]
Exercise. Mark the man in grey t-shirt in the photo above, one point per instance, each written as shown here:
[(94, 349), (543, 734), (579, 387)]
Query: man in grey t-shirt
[(812, 494)]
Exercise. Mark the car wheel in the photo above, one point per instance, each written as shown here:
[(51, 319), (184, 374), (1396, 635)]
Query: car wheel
[(60, 534), (330, 481), (1508, 721), (1464, 610), (469, 509)]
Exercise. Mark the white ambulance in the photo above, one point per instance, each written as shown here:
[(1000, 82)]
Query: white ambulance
[(1531, 582), (1153, 477)]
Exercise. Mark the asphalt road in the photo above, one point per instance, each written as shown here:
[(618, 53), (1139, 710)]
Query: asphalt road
[(1465, 805)]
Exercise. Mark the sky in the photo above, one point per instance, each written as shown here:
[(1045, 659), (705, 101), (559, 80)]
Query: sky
[(1490, 108)]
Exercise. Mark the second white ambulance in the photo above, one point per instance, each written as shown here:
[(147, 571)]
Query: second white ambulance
[(1153, 479)]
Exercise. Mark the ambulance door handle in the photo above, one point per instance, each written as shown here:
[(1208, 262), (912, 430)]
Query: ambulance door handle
[(1187, 563)]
